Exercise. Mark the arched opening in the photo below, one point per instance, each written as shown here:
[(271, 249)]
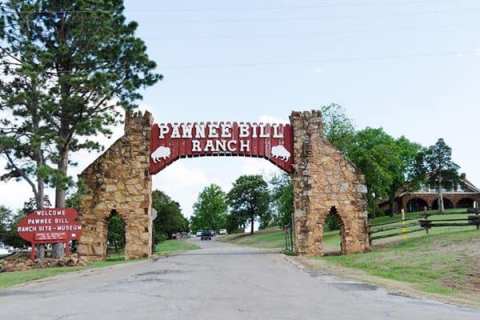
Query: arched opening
[(416, 204), (115, 247), (465, 203), (333, 233), (447, 204), (185, 179)]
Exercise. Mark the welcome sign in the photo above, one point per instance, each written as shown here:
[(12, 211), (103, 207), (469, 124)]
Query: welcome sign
[(171, 141)]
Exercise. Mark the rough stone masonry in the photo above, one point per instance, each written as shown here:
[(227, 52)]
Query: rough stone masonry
[(119, 181), (324, 182)]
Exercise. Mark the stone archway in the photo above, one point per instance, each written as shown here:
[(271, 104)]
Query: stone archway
[(120, 180), (323, 179)]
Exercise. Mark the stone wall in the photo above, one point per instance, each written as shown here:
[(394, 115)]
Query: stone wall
[(119, 180), (324, 179)]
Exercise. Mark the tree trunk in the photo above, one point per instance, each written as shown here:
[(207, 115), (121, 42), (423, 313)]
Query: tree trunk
[(58, 251), (253, 223), (441, 204), (40, 194), (39, 199)]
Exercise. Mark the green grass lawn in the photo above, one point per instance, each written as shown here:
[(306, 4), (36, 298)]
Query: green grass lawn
[(173, 246), (443, 263), (267, 239), (274, 238), (8, 279), (446, 261)]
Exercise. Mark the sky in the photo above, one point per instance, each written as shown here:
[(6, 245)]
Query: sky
[(409, 66)]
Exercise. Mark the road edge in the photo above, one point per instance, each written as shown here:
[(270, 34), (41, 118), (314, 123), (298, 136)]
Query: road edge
[(393, 287)]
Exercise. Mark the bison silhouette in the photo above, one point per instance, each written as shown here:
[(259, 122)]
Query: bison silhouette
[(280, 152), (160, 153)]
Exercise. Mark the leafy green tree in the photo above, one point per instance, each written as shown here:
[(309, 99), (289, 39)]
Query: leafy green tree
[(11, 236), (209, 212), (337, 126), (435, 166), (234, 223), (24, 133), (5, 218), (169, 217), (87, 64), (403, 176), (116, 232), (249, 199), (375, 153), (282, 197), (387, 163)]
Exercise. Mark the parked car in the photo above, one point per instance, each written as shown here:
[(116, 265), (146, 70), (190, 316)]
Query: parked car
[(4, 251), (199, 233), (206, 235), (222, 232)]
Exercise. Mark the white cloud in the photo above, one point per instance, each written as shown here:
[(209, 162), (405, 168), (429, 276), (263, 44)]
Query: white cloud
[(270, 119), (259, 166)]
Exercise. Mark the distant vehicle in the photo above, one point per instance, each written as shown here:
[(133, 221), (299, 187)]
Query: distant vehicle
[(222, 232), (199, 233), (206, 235), (4, 251)]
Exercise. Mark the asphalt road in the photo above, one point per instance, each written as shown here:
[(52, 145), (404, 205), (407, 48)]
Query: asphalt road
[(220, 281)]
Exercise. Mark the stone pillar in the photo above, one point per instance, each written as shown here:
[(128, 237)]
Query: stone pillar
[(324, 179), (119, 180)]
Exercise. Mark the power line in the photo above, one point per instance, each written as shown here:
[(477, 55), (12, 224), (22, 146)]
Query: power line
[(303, 35), (473, 53)]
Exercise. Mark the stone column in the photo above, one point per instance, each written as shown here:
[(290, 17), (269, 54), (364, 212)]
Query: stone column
[(119, 180), (323, 179)]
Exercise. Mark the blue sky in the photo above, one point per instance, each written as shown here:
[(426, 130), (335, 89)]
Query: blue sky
[(409, 66)]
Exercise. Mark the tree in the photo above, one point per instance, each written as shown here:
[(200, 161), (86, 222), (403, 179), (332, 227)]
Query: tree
[(23, 130), (116, 232), (5, 220), (89, 64), (9, 222), (282, 197), (337, 126), (209, 212), (404, 177), (249, 199), (169, 217), (436, 168), (387, 163), (234, 223)]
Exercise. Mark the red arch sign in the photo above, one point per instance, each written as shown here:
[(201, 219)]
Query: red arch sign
[(171, 141)]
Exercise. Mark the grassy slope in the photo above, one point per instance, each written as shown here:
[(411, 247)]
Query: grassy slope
[(268, 239), (442, 263), (8, 279), (274, 238), (173, 246)]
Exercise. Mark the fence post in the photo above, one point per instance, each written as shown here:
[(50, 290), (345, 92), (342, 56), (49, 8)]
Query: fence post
[(369, 230), (404, 230)]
